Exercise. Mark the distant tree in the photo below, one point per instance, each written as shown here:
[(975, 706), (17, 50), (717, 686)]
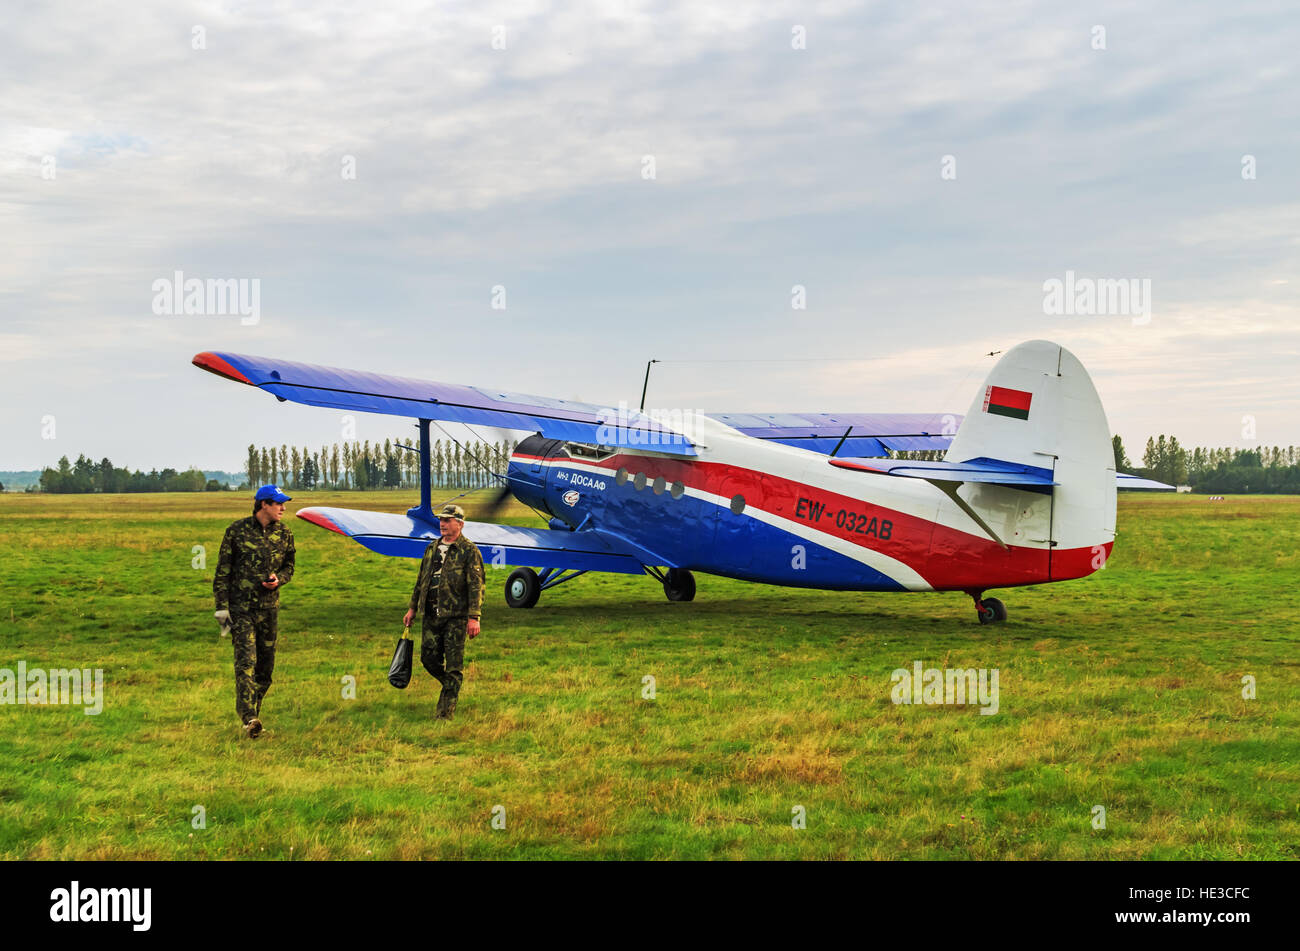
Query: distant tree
[(251, 465), (364, 470), (1175, 463), (104, 475), (55, 480), (334, 466), (309, 473), (284, 462), (1121, 457)]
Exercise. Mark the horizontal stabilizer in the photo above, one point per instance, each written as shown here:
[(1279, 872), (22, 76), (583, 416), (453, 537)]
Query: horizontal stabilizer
[(985, 471), (387, 533), (1125, 481), (338, 388)]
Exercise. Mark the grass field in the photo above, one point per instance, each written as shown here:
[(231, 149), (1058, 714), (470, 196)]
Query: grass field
[(1123, 690)]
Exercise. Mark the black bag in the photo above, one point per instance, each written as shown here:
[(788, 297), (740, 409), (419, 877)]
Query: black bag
[(399, 671)]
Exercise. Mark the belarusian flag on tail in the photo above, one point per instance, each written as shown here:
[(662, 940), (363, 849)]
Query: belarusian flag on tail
[(1004, 402)]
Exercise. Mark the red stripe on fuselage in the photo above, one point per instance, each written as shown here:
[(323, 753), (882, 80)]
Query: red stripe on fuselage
[(947, 558)]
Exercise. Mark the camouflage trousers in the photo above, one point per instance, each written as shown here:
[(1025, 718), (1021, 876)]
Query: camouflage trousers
[(254, 634), (442, 651)]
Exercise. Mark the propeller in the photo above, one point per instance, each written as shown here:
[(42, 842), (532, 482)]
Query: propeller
[(496, 501)]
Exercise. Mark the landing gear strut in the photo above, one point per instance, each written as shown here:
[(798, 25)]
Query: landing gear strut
[(525, 586), (679, 584), (989, 610)]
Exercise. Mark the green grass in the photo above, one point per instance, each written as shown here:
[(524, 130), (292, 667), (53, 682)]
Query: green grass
[(1121, 690)]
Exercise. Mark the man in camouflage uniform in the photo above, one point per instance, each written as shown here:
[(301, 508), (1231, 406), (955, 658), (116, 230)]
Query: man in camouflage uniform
[(256, 560), (449, 590)]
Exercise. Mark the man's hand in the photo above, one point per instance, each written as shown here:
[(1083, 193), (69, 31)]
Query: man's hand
[(223, 618), (271, 584), (472, 627), (408, 617)]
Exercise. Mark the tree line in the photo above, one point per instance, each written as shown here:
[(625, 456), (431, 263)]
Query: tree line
[(360, 465), (86, 475), (1218, 471), (363, 465), (348, 465)]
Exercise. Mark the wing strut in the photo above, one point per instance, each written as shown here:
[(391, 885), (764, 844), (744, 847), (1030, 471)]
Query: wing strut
[(424, 510)]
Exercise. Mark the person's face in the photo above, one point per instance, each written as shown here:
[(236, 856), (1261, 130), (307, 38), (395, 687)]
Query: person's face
[(274, 511), (450, 528)]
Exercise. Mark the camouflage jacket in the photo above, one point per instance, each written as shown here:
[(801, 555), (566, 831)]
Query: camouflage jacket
[(250, 554), (460, 580)]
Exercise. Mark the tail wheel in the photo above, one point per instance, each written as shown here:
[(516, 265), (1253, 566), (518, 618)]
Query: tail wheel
[(523, 588), (991, 611), (680, 585)]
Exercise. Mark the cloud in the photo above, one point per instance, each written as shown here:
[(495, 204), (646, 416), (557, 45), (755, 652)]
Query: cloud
[(523, 167)]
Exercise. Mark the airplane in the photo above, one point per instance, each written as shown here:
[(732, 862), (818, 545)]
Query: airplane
[(1025, 493)]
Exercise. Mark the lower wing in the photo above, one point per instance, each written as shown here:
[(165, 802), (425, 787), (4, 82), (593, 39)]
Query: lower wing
[(389, 534)]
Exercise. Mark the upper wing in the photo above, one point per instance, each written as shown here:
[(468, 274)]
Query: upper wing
[(869, 434), (422, 399)]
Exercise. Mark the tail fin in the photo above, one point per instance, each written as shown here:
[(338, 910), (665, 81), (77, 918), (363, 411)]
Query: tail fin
[(1038, 408)]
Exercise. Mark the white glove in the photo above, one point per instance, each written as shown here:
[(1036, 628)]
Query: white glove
[(223, 618)]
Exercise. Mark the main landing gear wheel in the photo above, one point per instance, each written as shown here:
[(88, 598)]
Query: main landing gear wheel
[(991, 611), (680, 585), (523, 588)]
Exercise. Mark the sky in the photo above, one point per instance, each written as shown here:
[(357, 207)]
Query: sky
[(637, 181)]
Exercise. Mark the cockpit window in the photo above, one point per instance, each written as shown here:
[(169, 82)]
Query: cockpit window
[(582, 450)]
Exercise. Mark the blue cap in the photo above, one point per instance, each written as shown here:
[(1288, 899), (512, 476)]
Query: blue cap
[(271, 492)]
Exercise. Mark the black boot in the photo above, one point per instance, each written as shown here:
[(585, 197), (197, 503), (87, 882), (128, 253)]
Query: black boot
[(446, 705)]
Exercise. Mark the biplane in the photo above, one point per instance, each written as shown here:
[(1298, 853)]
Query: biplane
[(1024, 493)]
